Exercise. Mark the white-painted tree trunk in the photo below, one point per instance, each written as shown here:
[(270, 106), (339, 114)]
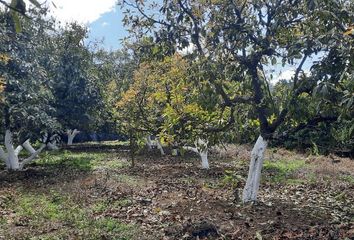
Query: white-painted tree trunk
[(11, 158), (204, 157), (149, 142), (18, 150), (27, 145), (201, 148), (254, 175), (12, 154), (71, 135), (32, 157), (52, 144), (159, 146)]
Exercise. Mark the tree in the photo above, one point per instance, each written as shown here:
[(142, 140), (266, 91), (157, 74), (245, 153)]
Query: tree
[(114, 73), (252, 37), (75, 91), (139, 110), (165, 100), (26, 109)]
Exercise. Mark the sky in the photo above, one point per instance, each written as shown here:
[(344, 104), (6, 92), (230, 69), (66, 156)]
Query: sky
[(109, 28), (102, 17)]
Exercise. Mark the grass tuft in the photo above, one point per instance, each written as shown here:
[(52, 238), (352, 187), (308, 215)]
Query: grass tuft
[(283, 170)]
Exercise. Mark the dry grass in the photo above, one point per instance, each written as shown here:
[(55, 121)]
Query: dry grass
[(232, 151)]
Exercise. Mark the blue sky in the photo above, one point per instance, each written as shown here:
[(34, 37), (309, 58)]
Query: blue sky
[(109, 27)]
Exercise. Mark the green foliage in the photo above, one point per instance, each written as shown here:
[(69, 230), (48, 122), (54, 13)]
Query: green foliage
[(76, 91), (114, 75), (27, 108), (18, 9), (164, 100)]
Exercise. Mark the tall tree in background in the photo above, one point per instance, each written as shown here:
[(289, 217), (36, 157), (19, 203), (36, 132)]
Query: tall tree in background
[(114, 72), (75, 91), (252, 37)]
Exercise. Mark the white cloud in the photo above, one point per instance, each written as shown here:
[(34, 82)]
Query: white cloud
[(82, 11), (104, 24), (187, 50), (287, 75)]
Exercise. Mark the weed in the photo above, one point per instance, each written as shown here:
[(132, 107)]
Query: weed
[(282, 171), (231, 179), (347, 178)]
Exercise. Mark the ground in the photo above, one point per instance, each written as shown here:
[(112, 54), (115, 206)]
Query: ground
[(91, 192)]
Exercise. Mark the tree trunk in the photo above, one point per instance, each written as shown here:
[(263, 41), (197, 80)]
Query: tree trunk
[(27, 145), (11, 157), (32, 157), (132, 146), (12, 161), (52, 144), (3, 157), (159, 146), (149, 142), (71, 135), (254, 175), (201, 148), (204, 157)]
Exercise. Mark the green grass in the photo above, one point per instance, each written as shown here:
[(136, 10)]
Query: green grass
[(82, 161), (105, 143), (104, 205), (284, 170), (347, 178), (38, 211)]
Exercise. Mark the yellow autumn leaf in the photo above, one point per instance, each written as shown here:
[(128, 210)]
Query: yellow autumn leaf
[(4, 58), (349, 31)]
